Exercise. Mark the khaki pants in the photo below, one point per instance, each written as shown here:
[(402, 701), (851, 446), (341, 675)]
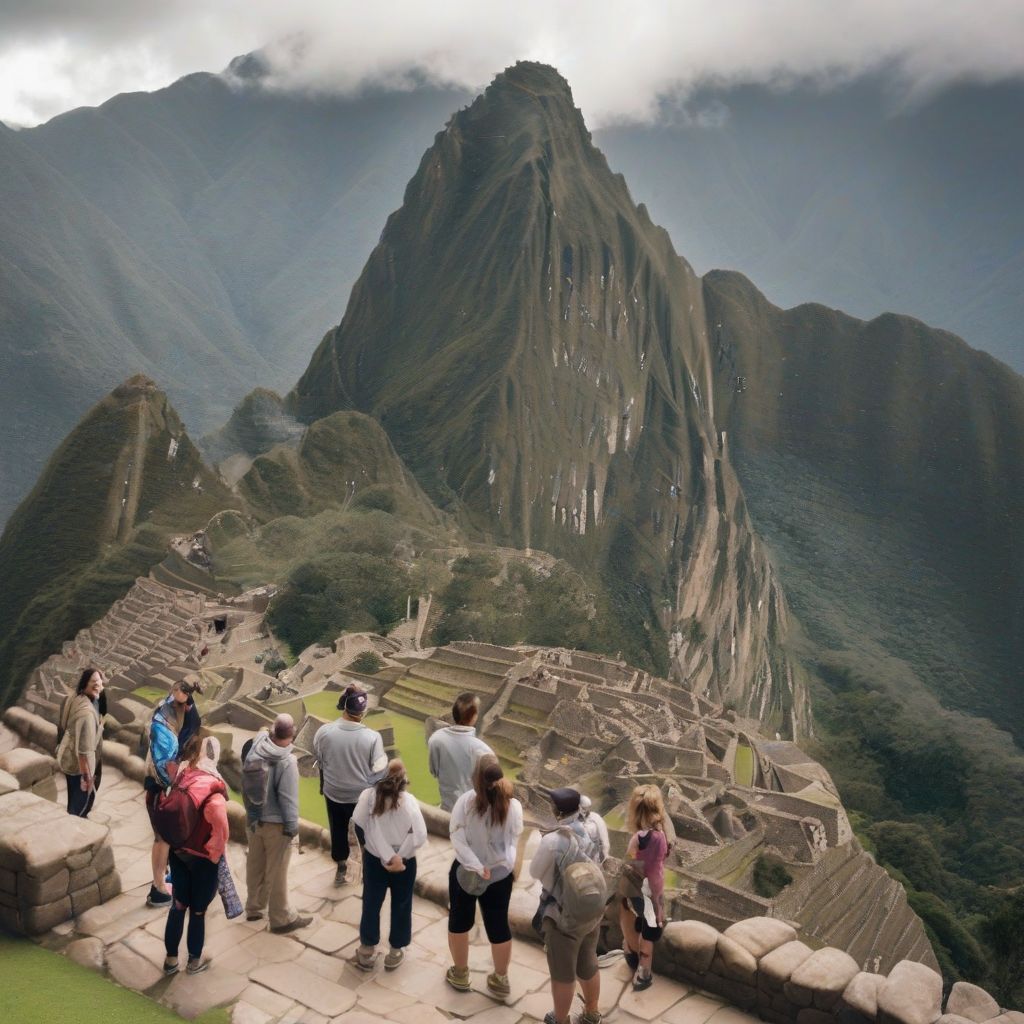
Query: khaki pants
[(266, 873)]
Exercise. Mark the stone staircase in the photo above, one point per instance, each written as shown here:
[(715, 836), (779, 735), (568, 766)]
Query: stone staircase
[(430, 685)]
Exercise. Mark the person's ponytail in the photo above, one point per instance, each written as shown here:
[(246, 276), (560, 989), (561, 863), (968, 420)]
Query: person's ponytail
[(493, 791)]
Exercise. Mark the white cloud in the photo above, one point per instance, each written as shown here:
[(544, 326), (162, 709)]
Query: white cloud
[(619, 57)]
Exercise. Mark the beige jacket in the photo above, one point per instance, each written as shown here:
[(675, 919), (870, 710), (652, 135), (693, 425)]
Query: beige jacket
[(83, 734)]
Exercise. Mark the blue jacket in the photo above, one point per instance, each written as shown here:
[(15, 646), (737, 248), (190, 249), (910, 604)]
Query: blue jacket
[(165, 739)]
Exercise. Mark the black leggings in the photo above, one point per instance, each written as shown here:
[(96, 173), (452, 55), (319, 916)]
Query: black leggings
[(194, 882), (493, 902), (338, 817)]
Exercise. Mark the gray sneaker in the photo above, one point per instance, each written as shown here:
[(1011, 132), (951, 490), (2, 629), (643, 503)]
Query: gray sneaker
[(341, 875)]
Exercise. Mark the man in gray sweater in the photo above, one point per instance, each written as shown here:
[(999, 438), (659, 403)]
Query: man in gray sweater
[(454, 751), (271, 769), (352, 759)]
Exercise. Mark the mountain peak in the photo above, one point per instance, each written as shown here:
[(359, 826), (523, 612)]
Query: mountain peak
[(136, 386)]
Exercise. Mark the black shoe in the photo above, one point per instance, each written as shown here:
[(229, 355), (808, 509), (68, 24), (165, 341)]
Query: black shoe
[(156, 898), (293, 926), (642, 981), (632, 959)]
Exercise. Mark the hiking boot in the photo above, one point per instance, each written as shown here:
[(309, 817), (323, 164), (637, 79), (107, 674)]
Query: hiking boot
[(170, 965), (156, 898), (341, 875), (393, 959), (197, 964), (497, 985), (632, 960), (591, 1017), (366, 958), (293, 925), (458, 978), (256, 915), (550, 1018)]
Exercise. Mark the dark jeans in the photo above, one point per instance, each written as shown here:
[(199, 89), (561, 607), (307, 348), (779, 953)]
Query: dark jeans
[(377, 880), (194, 881), (338, 817), (79, 803)]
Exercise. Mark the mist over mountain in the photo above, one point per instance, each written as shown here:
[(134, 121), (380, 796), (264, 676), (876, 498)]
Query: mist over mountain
[(849, 197), (201, 234)]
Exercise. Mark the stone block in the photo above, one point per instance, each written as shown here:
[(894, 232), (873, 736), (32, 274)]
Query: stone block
[(911, 994), (810, 1015), (693, 944), (8, 881), (953, 1018), (9, 919), (8, 899), (28, 766), (777, 967), (88, 953), (8, 783), (46, 788), (36, 920), (1009, 1017), (774, 1016), (821, 979), (130, 969), (43, 733), (38, 838), (972, 1002), (109, 886), (862, 993), (760, 935), (134, 768), (735, 992), (85, 899), (33, 892), (115, 754), (733, 961)]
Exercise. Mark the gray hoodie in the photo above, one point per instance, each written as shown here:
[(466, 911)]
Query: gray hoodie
[(283, 786)]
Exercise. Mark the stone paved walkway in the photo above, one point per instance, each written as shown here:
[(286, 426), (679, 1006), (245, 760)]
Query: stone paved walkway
[(307, 976)]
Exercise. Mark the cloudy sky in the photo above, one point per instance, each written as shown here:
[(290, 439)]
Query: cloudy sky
[(619, 57)]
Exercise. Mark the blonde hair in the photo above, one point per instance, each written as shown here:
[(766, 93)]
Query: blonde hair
[(646, 809)]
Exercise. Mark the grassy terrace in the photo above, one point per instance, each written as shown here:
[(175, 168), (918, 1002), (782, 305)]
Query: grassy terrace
[(37, 984), (410, 741), (149, 694), (743, 767)]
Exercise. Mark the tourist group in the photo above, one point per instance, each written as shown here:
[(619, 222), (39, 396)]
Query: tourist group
[(186, 797)]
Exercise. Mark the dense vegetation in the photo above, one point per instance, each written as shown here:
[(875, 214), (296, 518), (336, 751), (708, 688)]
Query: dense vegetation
[(943, 815)]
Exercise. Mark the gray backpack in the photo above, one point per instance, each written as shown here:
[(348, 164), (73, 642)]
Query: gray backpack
[(581, 892), (255, 784)]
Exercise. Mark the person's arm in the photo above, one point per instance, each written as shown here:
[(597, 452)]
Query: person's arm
[(288, 796), (602, 836), (83, 736), (361, 814), (460, 840), (633, 846), (542, 866), (216, 814), (378, 759), (417, 834), (434, 755)]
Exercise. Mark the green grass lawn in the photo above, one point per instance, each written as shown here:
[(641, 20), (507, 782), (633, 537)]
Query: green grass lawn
[(38, 985), (150, 694), (410, 741), (743, 767), (323, 704)]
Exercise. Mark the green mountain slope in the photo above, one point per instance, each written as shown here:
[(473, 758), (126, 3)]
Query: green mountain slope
[(883, 460), (115, 491), (537, 352)]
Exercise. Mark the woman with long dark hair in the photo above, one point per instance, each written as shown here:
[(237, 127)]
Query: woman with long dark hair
[(81, 731), (393, 830), (485, 828)]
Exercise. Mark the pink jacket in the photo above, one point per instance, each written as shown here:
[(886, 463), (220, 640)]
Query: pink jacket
[(211, 836)]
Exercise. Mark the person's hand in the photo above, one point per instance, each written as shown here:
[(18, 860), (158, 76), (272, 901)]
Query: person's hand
[(395, 865), (87, 783), (485, 874)]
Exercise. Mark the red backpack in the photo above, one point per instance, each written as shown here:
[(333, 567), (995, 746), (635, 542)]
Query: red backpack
[(174, 813)]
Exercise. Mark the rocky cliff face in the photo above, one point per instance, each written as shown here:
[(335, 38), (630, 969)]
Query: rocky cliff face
[(539, 355)]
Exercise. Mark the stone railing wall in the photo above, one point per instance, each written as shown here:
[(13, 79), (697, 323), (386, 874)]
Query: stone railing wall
[(757, 964)]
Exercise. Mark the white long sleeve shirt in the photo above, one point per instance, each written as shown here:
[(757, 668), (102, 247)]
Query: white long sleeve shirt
[(400, 830), (478, 844)]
